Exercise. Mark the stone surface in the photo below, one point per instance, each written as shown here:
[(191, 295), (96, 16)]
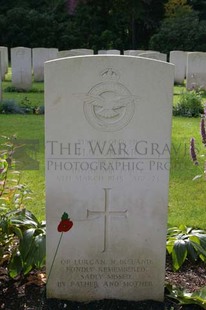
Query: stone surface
[(109, 52), (39, 56), (21, 67), (75, 52), (154, 55), (133, 52), (179, 59), (196, 70), (108, 127), (62, 54), (52, 52), (4, 61)]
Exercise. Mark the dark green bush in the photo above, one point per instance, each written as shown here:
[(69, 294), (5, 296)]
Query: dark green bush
[(13, 89), (25, 107), (10, 107), (190, 104)]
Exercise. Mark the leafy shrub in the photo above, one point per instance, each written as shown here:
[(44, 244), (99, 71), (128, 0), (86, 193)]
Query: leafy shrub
[(22, 236), (186, 243), (29, 251), (190, 104), (185, 298), (10, 107), (13, 89), (25, 107)]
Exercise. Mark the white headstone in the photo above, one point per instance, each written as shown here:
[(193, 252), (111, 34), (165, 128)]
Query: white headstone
[(21, 67), (133, 52), (75, 52), (196, 70), (179, 59), (39, 56), (81, 51), (62, 54), (4, 61), (108, 127), (52, 53), (109, 52), (154, 55)]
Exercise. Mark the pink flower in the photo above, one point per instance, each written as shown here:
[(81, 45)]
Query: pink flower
[(202, 131), (193, 152)]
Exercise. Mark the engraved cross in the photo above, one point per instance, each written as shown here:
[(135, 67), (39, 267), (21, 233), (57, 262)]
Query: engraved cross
[(106, 214)]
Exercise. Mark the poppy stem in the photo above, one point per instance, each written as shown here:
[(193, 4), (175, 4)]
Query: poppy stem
[(54, 257)]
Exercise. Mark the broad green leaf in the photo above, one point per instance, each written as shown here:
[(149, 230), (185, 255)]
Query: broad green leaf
[(202, 240), (40, 253), (191, 252), (183, 228), (15, 266), (194, 239), (170, 245), (26, 243), (179, 254), (199, 248), (17, 231), (185, 297), (32, 217), (28, 262), (27, 267), (189, 230), (200, 295)]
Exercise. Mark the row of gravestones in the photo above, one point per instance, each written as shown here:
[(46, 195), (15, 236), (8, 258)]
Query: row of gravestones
[(189, 65), (24, 59)]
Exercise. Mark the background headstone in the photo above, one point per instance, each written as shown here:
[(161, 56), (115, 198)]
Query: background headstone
[(75, 52), (108, 127), (179, 59), (109, 52), (133, 52), (196, 70), (39, 56), (21, 67), (52, 53), (62, 54), (154, 55), (81, 51), (4, 61)]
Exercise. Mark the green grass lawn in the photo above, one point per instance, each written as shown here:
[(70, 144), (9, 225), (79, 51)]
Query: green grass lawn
[(29, 127), (186, 197), (34, 98)]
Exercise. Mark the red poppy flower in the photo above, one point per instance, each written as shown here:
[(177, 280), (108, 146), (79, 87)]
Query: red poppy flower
[(65, 224)]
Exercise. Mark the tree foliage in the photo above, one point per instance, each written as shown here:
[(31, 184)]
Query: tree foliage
[(177, 8), (96, 24), (187, 33)]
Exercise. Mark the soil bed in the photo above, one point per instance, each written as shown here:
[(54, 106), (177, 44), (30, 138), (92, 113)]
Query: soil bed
[(29, 292)]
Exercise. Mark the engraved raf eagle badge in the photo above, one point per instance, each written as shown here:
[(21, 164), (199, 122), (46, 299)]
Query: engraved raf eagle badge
[(109, 105)]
